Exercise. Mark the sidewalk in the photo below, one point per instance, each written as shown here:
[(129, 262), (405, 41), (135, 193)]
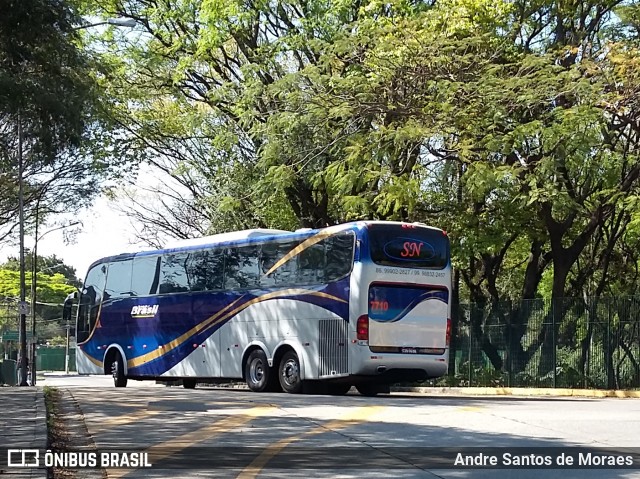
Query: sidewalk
[(521, 392), (23, 425)]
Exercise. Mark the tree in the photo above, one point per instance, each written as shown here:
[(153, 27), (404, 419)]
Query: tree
[(198, 98), (54, 282), (46, 264), (48, 92), (511, 124)]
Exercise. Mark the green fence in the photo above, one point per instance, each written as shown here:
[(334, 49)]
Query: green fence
[(575, 343), (8, 372), (52, 359), (572, 342)]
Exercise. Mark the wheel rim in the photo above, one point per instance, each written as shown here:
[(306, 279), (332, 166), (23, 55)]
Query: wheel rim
[(290, 372), (256, 371), (114, 370)]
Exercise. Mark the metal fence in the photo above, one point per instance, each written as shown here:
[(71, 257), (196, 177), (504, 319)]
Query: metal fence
[(565, 343), (571, 342), (54, 358)]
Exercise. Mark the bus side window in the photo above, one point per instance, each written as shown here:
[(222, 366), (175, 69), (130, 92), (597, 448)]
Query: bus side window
[(197, 271), (145, 275), (118, 280), (311, 264), (205, 270), (339, 256), (173, 274), (268, 258), (285, 274), (241, 268)]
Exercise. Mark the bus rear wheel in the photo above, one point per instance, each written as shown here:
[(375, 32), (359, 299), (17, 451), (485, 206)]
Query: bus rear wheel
[(289, 373), (117, 371)]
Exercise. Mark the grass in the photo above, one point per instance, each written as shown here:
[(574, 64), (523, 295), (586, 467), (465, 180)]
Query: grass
[(51, 397)]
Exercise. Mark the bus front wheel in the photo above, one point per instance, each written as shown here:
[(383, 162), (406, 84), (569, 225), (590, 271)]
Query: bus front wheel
[(189, 383), (117, 371), (289, 373), (257, 371), (370, 390), (338, 389)]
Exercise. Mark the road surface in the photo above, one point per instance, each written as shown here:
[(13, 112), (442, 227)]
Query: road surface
[(222, 432)]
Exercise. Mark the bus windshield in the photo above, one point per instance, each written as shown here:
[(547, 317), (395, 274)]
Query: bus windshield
[(408, 246)]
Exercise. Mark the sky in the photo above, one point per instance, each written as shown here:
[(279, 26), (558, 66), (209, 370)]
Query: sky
[(104, 232)]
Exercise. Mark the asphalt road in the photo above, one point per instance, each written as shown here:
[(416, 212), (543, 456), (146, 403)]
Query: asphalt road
[(219, 432)]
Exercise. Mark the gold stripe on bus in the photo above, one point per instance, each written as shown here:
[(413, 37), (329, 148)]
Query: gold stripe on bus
[(302, 246), (163, 349), (218, 318), (95, 361), (287, 292)]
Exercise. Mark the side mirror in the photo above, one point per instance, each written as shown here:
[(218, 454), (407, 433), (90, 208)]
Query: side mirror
[(67, 305)]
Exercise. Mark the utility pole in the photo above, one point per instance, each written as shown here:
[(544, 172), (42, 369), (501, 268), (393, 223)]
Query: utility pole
[(22, 305), (34, 272), (66, 351)]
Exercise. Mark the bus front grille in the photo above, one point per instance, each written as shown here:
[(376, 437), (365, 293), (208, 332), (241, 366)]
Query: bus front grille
[(333, 348)]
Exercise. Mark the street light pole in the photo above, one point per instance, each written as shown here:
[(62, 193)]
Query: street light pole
[(66, 349), (34, 270), (21, 308)]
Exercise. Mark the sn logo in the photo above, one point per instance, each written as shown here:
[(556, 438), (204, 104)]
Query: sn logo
[(411, 249)]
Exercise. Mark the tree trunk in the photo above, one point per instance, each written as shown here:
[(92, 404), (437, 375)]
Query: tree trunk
[(548, 361), (455, 321)]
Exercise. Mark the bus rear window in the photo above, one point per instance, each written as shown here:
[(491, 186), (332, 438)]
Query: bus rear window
[(408, 246)]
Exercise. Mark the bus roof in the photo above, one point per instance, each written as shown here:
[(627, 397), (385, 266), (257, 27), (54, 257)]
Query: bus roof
[(243, 237), (224, 237)]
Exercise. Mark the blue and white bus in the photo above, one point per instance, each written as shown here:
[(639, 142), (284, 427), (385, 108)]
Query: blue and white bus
[(362, 304)]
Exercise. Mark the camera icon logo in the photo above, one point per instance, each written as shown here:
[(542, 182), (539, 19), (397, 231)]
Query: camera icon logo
[(23, 458)]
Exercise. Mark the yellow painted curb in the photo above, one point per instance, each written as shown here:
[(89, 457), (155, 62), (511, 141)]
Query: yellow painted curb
[(486, 391)]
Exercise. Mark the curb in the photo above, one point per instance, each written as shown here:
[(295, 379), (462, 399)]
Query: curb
[(41, 436), (550, 392)]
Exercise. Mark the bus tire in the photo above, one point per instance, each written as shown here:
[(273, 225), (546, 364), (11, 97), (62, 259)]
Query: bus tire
[(338, 389), (370, 390), (289, 373), (117, 371), (257, 371), (189, 383)]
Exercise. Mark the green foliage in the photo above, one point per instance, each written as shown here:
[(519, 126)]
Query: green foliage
[(470, 375), (51, 114), (512, 125), (53, 284), (45, 264), (57, 341), (51, 288)]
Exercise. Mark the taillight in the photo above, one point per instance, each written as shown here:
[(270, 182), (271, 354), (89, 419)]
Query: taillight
[(362, 328), (448, 336)]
